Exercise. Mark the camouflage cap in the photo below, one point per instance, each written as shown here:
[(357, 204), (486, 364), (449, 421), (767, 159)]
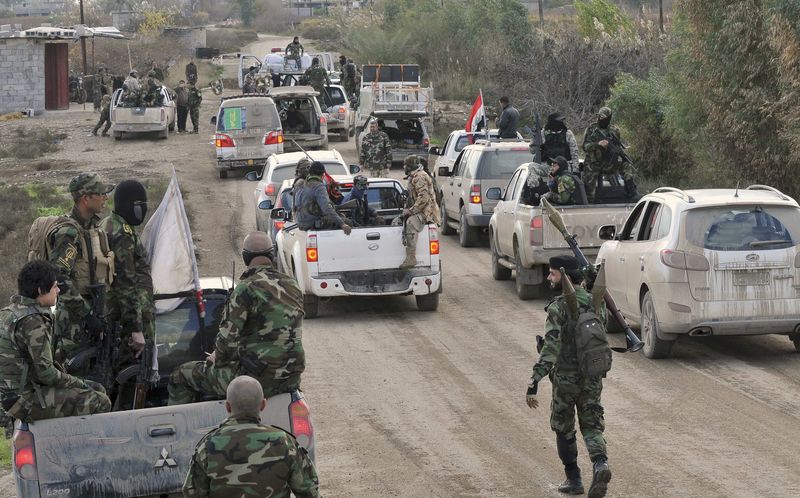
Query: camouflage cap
[(604, 112), (87, 184)]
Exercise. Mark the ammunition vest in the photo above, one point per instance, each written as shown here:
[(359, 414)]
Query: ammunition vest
[(15, 363)]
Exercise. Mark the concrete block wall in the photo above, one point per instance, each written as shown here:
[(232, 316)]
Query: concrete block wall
[(21, 75)]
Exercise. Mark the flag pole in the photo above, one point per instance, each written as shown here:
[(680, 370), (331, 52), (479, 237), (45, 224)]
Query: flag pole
[(485, 118)]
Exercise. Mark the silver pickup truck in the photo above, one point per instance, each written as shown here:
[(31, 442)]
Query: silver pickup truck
[(523, 240), (146, 452)]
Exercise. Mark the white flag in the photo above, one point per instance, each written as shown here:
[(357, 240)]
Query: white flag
[(168, 241)]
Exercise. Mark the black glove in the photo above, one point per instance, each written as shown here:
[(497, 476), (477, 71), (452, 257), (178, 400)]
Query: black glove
[(539, 344), (95, 325), (533, 387)]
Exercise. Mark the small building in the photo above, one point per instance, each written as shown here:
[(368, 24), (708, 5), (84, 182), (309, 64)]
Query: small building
[(189, 39)]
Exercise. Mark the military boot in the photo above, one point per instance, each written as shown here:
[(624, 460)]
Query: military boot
[(574, 484), (568, 453), (411, 258), (600, 478)]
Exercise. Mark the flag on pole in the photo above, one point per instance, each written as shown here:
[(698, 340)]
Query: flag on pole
[(169, 244), (477, 118)]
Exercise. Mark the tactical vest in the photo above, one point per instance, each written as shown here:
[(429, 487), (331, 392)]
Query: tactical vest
[(16, 363), (555, 144)]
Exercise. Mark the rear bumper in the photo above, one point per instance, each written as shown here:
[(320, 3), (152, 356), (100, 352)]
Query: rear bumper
[(138, 127), (479, 220), (231, 164), (306, 143), (377, 282)]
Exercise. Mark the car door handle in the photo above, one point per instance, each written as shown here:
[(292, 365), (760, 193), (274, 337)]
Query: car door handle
[(161, 431), (373, 236), (458, 184)]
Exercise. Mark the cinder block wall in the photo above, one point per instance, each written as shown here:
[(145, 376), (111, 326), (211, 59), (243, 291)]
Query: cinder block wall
[(21, 75)]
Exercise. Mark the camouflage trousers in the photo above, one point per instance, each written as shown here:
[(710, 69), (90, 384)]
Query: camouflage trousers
[(573, 392), (127, 356), (194, 114), (60, 402), (298, 64), (195, 380), (71, 337), (104, 119), (377, 170), (592, 173)]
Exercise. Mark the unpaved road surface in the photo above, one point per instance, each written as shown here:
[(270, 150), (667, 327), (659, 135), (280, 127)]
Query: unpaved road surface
[(432, 404)]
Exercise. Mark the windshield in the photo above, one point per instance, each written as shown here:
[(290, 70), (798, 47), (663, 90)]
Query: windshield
[(743, 228), (248, 117), (333, 96), (502, 163), (286, 171)]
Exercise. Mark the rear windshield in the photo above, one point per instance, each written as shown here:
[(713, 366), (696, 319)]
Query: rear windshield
[(404, 130), (248, 117), (333, 96), (463, 141), (286, 172), (502, 163), (384, 198), (743, 228)]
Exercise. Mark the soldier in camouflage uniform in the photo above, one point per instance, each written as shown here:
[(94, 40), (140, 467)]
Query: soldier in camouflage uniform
[(294, 51), (312, 206), (244, 458), (100, 86), (423, 208), (376, 151), (130, 299), (105, 116), (318, 78), (561, 184), (571, 390), (32, 385), (261, 334), (77, 328), (195, 99), (602, 155)]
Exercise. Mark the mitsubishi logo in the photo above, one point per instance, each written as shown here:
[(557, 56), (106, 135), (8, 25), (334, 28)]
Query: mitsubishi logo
[(165, 460), (752, 257), (373, 247)]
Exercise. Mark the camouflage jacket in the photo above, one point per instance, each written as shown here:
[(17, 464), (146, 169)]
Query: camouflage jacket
[(26, 348), (376, 150), (243, 458), (596, 154), (318, 77), (261, 332), (423, 198), (294, 49), (564, 190), (131, 294), (195, 97), (312, 204), (559, 351)]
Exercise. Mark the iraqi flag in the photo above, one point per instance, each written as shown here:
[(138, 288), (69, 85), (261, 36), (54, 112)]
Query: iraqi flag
[(477, 117)]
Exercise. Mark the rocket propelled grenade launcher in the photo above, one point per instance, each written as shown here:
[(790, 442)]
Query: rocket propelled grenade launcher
[(633, 343)]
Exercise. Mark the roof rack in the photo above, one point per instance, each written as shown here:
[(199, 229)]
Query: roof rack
[(769, 189), (680, 193), (246, 95)]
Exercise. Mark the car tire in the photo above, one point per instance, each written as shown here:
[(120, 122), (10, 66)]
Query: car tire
[(446, 229), (164, 134), (117, 135), (172, 126), (795, 338), (223, 173), (467, 235), (654, 347), (525, 292), (311, 305), (499, 272), (428, 302)]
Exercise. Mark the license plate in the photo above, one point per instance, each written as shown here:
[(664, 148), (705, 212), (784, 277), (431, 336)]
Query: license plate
[(751, 278), (139, 110), (249, 162)]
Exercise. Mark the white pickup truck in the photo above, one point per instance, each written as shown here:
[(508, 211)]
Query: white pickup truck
[(145, 452), (126, 119), (523, 240), (328, 263)]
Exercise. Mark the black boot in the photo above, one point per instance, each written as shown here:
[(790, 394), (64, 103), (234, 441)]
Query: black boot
[(600, 477), (568, 453), (630, 190)]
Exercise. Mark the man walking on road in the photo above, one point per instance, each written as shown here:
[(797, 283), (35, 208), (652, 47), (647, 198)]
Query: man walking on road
[(508, 120), (244, 458), (105, 116), (376, 151), (194, 100), (572, 390)]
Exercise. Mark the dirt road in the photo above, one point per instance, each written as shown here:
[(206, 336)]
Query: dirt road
[(431, 404)]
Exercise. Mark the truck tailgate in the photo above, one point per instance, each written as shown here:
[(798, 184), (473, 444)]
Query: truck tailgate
[(139, 115), (371, 248), (583, 222)]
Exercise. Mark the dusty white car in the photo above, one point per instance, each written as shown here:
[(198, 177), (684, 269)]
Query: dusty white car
[(707, 262)]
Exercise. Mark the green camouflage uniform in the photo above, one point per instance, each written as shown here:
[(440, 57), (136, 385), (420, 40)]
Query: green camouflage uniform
[(564, 190), (261, 336), (130, 299), (27, 368), (571, 390), (105, 115), (376, 153), (294, 52), (318, 78), (195, 99), (244, 458), (598, 160)]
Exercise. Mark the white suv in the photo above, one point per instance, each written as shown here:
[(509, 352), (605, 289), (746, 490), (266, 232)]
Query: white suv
[(707, 262)]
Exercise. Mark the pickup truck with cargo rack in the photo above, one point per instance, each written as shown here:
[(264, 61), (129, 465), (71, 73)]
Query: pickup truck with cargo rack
[(127, 119)]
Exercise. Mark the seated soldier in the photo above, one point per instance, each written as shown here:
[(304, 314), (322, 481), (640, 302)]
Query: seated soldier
[(565, 188), (362, 214), (313, 208)]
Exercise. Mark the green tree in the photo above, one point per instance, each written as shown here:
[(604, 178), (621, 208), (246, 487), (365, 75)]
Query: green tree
[(246, 11), (596, 17)]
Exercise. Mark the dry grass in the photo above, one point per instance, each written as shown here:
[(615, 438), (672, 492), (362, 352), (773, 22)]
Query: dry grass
[(30, 143)]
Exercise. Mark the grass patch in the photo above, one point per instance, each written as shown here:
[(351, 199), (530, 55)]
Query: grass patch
[(30, 143), (5, 453), (230, 39)]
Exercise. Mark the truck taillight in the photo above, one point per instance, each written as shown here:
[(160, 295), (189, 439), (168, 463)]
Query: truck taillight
[(684, 260), (433, 237), (312, 256), (537, 232), (475, 194), (323, 120), (25, 455), (270, 189), (222, 140), (300, 419), (273, 138)]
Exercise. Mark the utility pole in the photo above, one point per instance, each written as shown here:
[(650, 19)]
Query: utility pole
[(83, 43), (541, 13), (661, 14)]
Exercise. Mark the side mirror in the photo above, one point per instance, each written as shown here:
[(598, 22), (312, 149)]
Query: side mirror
[(253, 176), (607, 232), (277, 213), (214, 120), (444, 171), (435, 150), (494, 194), (265, 204), (354, 168)]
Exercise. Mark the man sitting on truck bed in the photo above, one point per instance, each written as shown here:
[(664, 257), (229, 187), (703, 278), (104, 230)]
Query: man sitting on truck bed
[(313, 208), (260, 335), (565, 187), (423, 208), (362, 214)]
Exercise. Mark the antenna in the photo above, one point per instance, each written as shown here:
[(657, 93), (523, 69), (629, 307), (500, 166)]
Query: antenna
[(233, 273), (302, 150), (736, 194)]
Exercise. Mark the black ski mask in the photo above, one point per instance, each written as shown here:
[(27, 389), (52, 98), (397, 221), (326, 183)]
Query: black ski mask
[(555, 122), (130, 202), (604, 122)]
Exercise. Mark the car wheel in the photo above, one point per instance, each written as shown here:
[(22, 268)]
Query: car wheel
[(795, 338), (117, 135), (223, 174), (311, 305), (446, 229), (428, 302), (525, 291), (165, 134), (653, 346), (467, 235), (172, 126), (499, 272)]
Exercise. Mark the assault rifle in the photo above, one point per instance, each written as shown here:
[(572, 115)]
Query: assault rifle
[(108, 353), (537, 138), (616, 148), (146, 376), (632, 342)]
